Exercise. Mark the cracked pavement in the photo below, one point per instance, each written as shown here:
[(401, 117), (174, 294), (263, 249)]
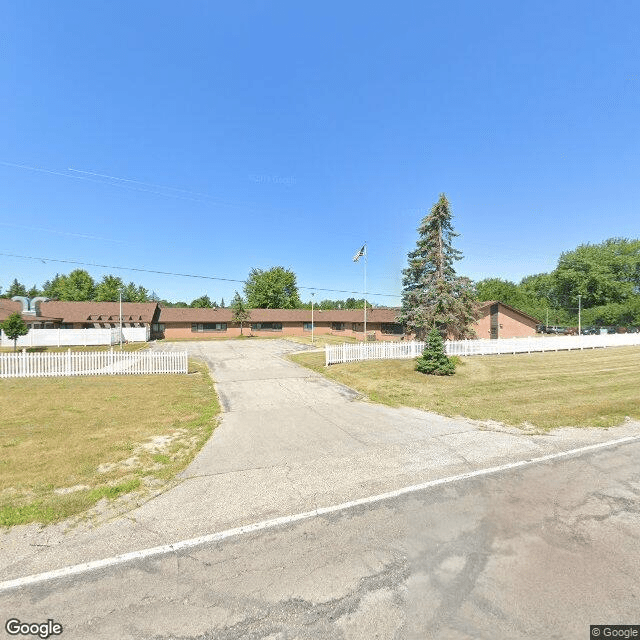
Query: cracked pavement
[(291, 441), (535, 552)]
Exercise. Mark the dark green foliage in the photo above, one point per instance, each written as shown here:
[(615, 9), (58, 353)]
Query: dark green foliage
[(135, 293), (606, 275), (14, 327), (602, 273), (108, 289), (272, 289), (433, 295), (203, 302), (16, 289), (434, 360), (326, 305)]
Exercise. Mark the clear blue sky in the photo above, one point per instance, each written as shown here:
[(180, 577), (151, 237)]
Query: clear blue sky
[(236, 135)]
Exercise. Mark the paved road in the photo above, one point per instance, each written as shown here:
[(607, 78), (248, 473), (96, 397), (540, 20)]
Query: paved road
[(537, 552), (289, 441)]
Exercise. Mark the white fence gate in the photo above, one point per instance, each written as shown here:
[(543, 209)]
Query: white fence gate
[(335, 354), (79, 337), (91, 363)]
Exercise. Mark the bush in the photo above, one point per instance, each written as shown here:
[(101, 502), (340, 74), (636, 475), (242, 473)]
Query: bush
[(434, 360)]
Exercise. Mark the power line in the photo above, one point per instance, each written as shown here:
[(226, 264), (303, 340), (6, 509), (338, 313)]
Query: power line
[(181, 275)]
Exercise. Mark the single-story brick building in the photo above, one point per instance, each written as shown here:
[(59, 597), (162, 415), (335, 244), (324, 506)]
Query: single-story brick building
[(41, 313), (498, 320)]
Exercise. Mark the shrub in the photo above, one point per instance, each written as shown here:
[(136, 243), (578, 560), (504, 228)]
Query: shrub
[(434, 360)]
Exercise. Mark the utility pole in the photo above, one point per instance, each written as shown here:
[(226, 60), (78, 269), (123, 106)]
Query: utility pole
[(313, 294), (579, 314), (120, 294)]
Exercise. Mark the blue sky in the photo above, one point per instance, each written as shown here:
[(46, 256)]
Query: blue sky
[(209, 138)]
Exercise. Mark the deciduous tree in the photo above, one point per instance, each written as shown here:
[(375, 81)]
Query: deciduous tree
[(602, 273), (14, 327), (203, 302), (275, 288), (108, 289), (241, 313), (78, 286)]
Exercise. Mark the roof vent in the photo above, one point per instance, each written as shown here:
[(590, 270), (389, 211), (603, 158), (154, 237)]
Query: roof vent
[(30, 307)]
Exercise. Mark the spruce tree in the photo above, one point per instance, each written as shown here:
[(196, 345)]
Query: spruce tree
[(433, 359), (433, 295)]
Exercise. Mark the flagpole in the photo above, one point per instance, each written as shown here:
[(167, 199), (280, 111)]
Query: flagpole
[(363, 252), (365, 292)]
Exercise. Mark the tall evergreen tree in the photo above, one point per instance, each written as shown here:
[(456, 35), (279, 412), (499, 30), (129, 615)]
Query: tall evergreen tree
[(16, 289), (433, 295)]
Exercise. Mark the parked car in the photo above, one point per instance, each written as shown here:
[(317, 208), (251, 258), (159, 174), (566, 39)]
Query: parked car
[(590, 331)]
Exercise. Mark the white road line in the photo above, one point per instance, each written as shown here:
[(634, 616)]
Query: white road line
[(285, 520)]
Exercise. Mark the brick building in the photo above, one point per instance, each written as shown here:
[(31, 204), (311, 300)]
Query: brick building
[(497, 320)]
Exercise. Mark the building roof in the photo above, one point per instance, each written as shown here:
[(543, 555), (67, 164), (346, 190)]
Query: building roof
[(99, 311), (277, 315), (86, 312), (7, 307)]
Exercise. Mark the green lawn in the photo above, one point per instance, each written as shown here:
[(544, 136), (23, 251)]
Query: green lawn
[(99, 436), (597, 388)]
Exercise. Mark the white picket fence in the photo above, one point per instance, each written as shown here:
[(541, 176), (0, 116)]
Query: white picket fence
[(335, 354), (91, 363), (77, 337)]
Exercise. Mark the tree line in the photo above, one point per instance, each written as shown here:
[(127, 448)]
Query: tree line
[(606, 276), (274, 288)]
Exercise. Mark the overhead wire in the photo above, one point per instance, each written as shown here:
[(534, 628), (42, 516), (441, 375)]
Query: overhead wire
[(182, 275)]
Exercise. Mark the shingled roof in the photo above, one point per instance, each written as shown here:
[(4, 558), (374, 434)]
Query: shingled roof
[(99, 311), (7, 307)]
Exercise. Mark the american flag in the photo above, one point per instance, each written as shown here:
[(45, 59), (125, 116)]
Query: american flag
[(360, 253)]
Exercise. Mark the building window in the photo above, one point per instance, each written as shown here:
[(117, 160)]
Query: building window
[(157, 327), (66, 325), (356, 327), (391, 328), (205, 327), (307, 326), (266, 326), (337, 326), (42, 325)]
